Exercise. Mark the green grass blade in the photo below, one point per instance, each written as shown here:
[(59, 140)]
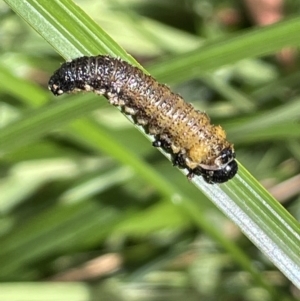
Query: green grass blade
[(37, 123), (249, 44), (72, 33)]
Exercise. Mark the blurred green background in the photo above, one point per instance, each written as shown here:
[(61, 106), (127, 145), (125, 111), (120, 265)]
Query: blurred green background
[(77, 224)]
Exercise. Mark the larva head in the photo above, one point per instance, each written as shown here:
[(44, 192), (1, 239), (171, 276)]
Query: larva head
[(224, 169), (62, 80), (221, 175)]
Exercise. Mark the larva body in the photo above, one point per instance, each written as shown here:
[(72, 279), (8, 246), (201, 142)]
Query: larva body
[(181, 130)]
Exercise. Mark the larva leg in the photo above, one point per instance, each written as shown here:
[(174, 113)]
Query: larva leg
[(180, 160), (114, 98), (161, 142), (157, 143), (141, 118), (164, 142), (190, 175), (129, 110)]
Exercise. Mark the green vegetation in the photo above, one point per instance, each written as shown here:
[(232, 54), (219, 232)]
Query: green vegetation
[(80, 183)]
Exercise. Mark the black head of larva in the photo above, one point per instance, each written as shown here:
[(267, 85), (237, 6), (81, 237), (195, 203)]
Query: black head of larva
[(216, 176), (222, 174), (227, 155)]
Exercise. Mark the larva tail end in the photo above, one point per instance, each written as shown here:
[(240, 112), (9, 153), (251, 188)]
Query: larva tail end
[(62, 81), (56, 85)]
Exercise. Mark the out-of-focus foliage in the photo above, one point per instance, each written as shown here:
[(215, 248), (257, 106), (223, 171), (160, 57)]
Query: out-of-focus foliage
[(72, 214)]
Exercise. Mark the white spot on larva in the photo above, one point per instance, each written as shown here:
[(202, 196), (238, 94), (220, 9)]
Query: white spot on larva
[(130, 111)]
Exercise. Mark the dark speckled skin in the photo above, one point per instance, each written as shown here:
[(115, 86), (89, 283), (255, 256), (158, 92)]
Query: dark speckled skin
[(181, 130)]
